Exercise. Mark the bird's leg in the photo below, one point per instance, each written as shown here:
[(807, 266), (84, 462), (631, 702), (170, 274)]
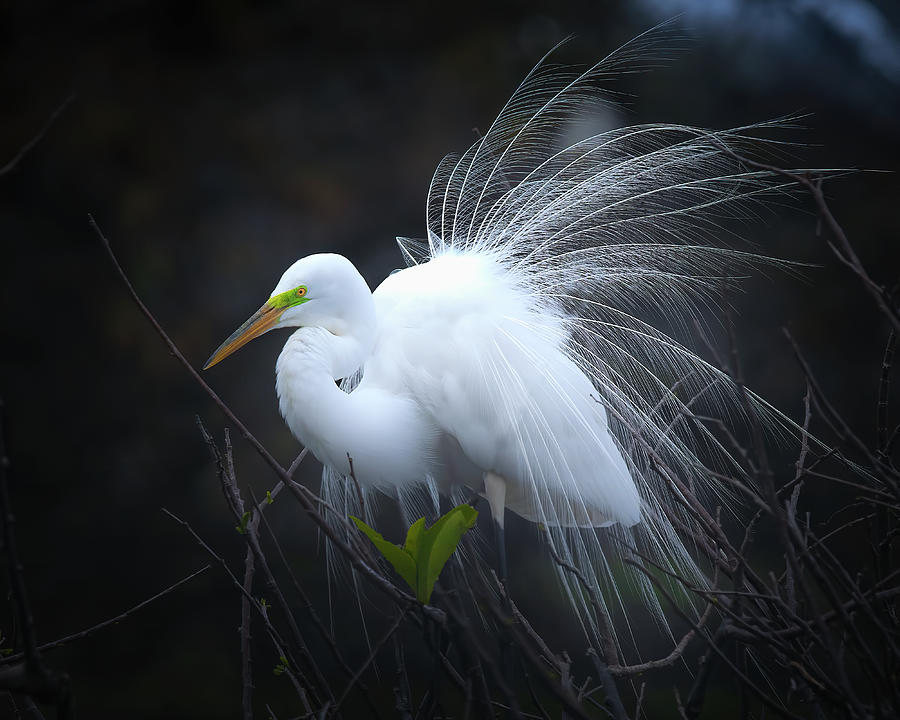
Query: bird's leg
[(495, 492)]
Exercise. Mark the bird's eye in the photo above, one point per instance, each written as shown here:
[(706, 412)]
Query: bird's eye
[(300, 291)]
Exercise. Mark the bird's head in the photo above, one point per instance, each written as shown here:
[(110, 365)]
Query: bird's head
[(323, 290)]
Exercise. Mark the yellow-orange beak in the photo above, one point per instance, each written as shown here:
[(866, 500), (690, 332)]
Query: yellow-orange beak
[(261, 321)]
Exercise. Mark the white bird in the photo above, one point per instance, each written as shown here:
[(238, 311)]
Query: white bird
[(509, 358)]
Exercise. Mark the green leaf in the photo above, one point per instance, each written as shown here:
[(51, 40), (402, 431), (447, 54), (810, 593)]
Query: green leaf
[(281, 667), (426, 550), (242, 528), (436, 544), (397, 556), (412, 539)]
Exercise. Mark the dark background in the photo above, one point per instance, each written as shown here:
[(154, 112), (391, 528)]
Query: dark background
[(216, 143)]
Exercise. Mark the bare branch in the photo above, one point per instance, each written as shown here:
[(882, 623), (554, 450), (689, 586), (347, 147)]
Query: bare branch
[(87, 632), (30, 675), (27, 147)]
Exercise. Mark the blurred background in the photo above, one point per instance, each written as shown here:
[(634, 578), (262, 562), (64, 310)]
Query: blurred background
[(217, 142)]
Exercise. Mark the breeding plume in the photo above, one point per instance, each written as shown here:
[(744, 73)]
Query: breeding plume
[(517, 354)]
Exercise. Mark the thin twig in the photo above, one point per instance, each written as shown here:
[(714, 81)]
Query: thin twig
[(307, 499), (280, 645), (766, 700), (106, 623), (30, 676), (668, 660), (376, 648), (610, 653), (27, 147), (246, 617), (613, 701), (844, 249)]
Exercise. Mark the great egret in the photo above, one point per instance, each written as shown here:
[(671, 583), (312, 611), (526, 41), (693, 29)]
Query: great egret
[(508, 356)]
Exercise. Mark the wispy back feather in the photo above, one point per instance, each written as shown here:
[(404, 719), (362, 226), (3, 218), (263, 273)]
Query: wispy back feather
[(598, 233)]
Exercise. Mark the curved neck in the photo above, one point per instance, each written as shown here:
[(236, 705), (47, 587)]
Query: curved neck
[(390, 440), (312, 351), (310, 401)]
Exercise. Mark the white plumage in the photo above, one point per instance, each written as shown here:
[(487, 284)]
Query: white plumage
[(512, 347), (465, 374)]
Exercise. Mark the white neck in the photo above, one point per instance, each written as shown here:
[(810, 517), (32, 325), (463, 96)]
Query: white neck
[(390, 440), (310, 401), (317, 351), (380, 426)]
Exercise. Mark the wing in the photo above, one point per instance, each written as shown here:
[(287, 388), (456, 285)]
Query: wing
[(491, 370)]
